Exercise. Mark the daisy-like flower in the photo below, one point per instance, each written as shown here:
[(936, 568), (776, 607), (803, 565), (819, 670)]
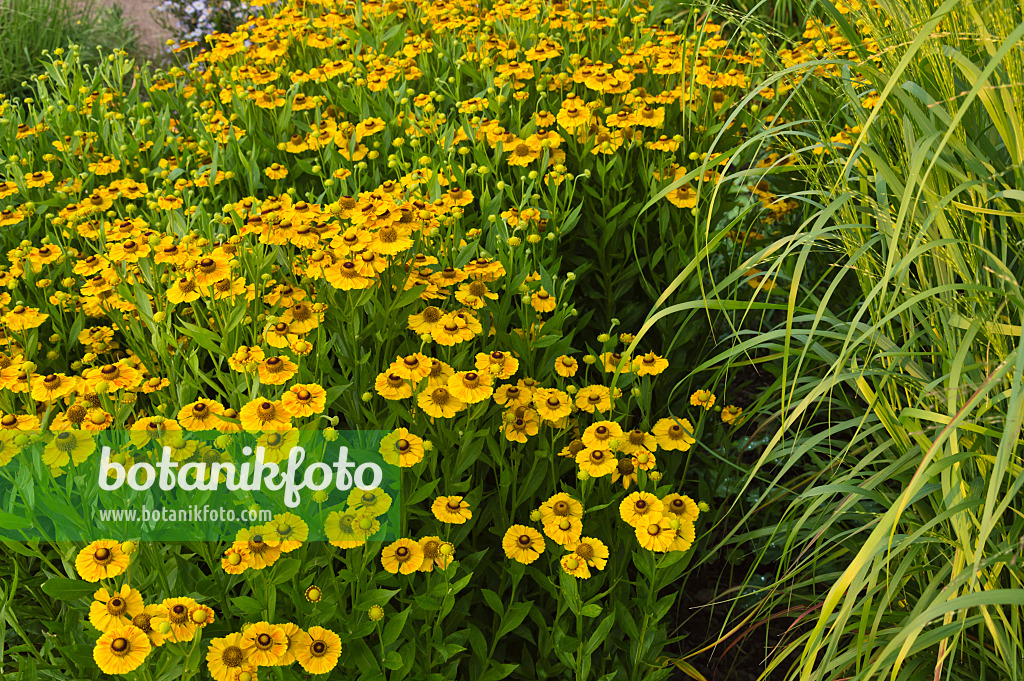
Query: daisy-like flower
[(288, 529), (703, 398), (575, 566), (560, 506), (226, 656), (236, 560), (685, 531), (402, 448), (293, 634), (371, 502), (542, 301), (637, 440), (592, 551), (182, 628), (392, 386), (434, 554), (452, 510), (277, 370), (317, 650), (265, 642), (304, 399), (413, 367), (552, 405), (681, 506), (148, 622), (202, 414), (121, 650), (640, 508), (23, 318), (439, 402), (500, 365), (649, 365), (564, 531), (625, 470), (262, 544), (404, 555), (523, 544), (602, 434), (470, 387), (566, 366), (730, 414), (111, 610), (656, 535), (262, 414), (201, 615), (674, 434), (101, 559), (596, 462)]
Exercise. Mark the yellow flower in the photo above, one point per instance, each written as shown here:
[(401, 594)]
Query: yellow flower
[(542, 301), (112, 610), (566, 366), (439, 403), (121, 650), (265, 643), (372, 502), (523, 544), (601, 434), (640, 508), (226, 656), (596, 462), (565, 530), (656, 535), (575, 566), (182, 628), (681, 506), (289, 529), (591, 550), (703, 398), (730, 414), (649, 365), (404, 555), (402, 448), (101, 559), (452, 510), (674, 434), (470, 387), (317, 650)]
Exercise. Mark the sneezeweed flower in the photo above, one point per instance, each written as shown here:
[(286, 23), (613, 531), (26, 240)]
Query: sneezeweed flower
[(341, 530), (649, 365), (317, 650), (201, 615), (68, 446), (681, 506), (438, 402), (656, 535), (405, 556), (314, 594), (730, 414), (592, 551), (293, 634), (289, 529), (625, 469), (552, 405), (523, 544), (596, 462), (566, 530), (226, 656), (685, 532), (566, 366), (674, 434), (148, 622), (370, 502), (392, 386), (182, 628), (575, 566), (101, 559), (433, 555), (262, 544), (559, 506), (470, 387), (266, 643), (262, 415), (236, 560), (203, 414), (121, 650), (542, 301), (304, 399), (401, 448), (602, 435), (23, 318), (640, 508), (703, 398), (500, 365), (112, 610), (637, 440), (375, 613), (276, 370), (452, 510)]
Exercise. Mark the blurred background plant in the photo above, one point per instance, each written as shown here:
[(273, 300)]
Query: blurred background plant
[(192, 20), (30, 27)]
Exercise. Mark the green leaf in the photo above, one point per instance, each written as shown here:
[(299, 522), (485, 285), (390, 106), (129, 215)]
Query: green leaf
[(499, 672), (494, 601), (394, 627), (591, 610), (65, 589), (599, 635), (246, 604), (513, 618), (285, 570), (375, 597)]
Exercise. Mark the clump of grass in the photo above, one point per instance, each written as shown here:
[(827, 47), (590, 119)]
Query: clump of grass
[(30, 27)]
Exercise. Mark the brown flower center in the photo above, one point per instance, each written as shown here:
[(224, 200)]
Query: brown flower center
[(232, 656), (119, 646), (524, 540)]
